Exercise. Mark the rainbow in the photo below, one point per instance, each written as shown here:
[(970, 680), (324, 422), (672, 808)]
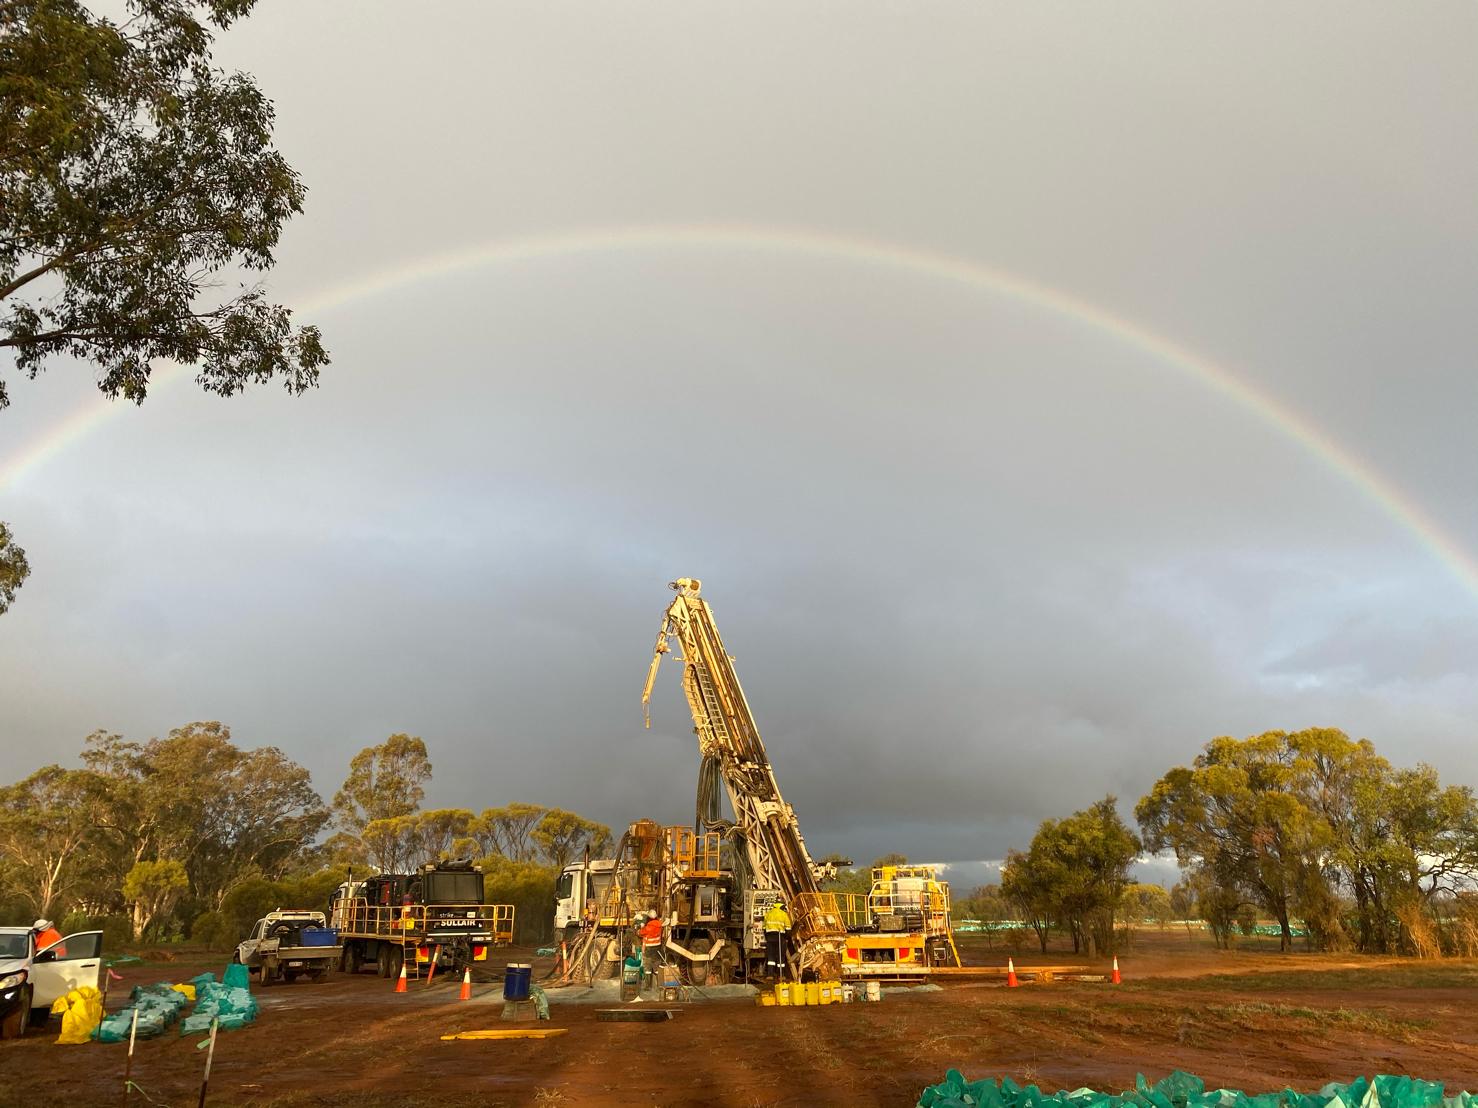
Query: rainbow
[(861, 251)]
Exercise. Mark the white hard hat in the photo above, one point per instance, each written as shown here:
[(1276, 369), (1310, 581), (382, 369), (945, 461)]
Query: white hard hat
[(41, 925), (652, 913)]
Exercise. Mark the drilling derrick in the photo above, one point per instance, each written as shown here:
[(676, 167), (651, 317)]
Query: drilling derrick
[(764, 826)]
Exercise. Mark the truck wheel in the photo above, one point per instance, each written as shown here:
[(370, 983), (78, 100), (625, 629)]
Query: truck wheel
[(397, 958), (14, 1025), (320, 976), (267, 975), (384, 967), (724, 969), (290, 975), (698, 971)]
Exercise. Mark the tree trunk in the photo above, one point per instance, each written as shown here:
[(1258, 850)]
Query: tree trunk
[(1362, 914)]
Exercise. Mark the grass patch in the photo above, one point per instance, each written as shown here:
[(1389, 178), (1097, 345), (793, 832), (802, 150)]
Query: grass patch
[(1262, 1017), (1414, 976)]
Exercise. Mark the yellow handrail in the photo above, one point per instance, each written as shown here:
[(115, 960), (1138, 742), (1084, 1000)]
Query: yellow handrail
[(357, 916)]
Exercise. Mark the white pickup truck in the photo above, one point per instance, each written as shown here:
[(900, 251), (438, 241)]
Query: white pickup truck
[(275, 948), (31, 979)]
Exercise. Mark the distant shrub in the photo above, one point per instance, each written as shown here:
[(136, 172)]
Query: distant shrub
[(1015, 939), (1421, 932), (211, 931), (311, 891), (250, 900), (117, 930), (1462, 925), (529, 887)]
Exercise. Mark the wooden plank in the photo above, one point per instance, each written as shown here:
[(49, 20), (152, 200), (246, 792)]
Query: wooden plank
[(634, 1015), (1001, 971), (510, 1033)]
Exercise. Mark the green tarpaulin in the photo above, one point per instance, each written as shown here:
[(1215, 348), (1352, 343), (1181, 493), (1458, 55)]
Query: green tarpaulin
[(1184, 1090)]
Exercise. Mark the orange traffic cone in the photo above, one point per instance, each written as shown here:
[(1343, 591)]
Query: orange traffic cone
[(466, 993), (400, 985), (1116, 979), (1011, 981)]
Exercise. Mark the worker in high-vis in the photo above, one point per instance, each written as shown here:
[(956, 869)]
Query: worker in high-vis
[(48, 936), (651, 944), (777, 927)]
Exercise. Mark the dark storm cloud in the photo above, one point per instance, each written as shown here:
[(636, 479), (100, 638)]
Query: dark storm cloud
[(978, 564)]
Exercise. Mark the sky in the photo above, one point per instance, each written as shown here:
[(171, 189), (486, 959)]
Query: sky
[(1039, 391)]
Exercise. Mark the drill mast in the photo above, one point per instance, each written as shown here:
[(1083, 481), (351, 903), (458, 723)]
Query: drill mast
[(729, 738)]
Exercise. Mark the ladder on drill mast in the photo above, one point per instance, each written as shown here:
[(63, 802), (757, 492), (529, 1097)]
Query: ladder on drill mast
[(712, 711)]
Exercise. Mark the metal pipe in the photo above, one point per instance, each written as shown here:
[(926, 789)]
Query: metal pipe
[(133, 1030), (210, 1054)]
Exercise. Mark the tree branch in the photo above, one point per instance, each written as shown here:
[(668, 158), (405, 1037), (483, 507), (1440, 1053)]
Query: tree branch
[(40, 271)]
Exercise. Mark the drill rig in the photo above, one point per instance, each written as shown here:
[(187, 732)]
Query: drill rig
[(764, 829)]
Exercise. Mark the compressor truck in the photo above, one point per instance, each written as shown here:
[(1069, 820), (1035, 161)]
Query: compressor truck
[(431, 920)]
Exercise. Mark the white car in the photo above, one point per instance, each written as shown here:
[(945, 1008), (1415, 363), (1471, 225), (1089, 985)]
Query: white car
[(31, 979)]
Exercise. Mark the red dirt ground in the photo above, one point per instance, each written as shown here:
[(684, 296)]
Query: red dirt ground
[(1254, 1020)]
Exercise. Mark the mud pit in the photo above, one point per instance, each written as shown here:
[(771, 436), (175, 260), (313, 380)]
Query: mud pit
[(1247, 1020)]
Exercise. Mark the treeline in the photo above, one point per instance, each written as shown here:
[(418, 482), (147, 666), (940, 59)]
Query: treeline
[(193, 837), (1309, 828)]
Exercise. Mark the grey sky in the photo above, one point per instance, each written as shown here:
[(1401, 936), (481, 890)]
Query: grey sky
[(978, 564)]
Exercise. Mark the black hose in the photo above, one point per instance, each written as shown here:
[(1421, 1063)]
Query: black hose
[(710, 782)]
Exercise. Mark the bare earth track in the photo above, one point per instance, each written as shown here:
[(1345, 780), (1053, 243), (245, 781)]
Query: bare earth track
[(1251, 1020)]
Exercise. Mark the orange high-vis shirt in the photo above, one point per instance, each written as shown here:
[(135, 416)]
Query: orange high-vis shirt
[(46, 938), (651, 933)]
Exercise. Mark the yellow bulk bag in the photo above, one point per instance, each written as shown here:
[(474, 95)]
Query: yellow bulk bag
[(187, 990), (81, 1011)]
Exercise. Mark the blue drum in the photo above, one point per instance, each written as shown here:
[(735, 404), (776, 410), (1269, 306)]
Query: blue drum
[(516, 980)]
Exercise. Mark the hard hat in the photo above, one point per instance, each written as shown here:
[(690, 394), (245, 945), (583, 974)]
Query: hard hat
[(652, 914), (41, 925)]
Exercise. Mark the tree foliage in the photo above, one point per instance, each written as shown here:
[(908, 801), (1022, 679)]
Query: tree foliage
[(190, 832), (197, 798), (1073, 876), (14, 569), (133, 174), (149, 828), (153, 888), (562, 836), (385, 782), (529, 886), (1316, 826), (46, 822), (508, 830), (1146, 903)]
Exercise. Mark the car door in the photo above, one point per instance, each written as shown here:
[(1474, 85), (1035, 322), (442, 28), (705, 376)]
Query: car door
[(69, 964), (248, 948)]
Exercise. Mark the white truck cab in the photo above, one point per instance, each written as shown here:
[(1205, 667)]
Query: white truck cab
[(580, 883), (31, 979)]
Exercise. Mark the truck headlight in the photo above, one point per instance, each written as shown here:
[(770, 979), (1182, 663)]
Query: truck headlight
[(12, 980)]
